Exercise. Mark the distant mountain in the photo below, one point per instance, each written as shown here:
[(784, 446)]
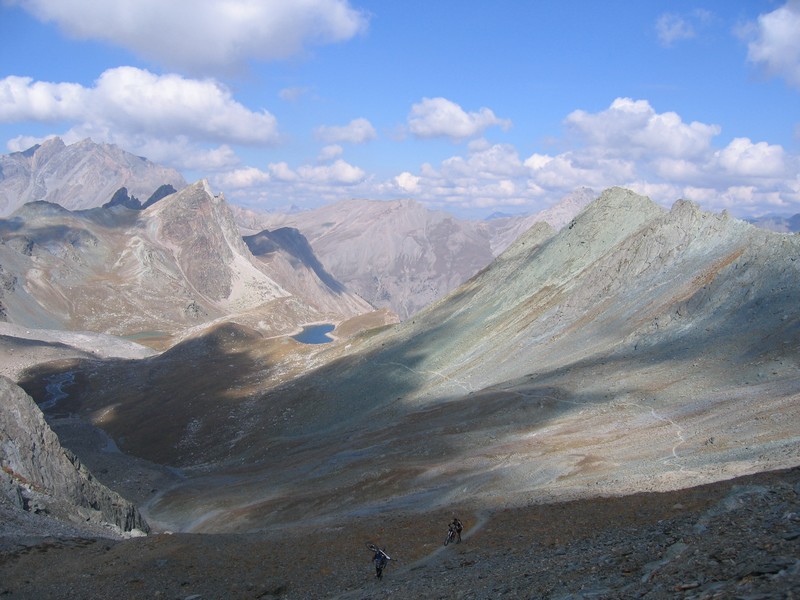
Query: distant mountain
[(399, 254), (179, 263), (504, 230), (78, 176), (778, 223), (121, 198), (395, 254)]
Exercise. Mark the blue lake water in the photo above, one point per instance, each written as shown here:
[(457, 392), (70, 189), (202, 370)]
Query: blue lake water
[(315, 334)]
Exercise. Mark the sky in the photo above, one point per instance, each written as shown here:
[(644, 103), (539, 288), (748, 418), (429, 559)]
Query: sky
[(475, 107)]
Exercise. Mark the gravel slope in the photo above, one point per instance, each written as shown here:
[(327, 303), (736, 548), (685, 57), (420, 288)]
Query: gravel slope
[(732, 539)]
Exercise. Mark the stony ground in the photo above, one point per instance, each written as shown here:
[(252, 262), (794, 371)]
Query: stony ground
[(734, 539)]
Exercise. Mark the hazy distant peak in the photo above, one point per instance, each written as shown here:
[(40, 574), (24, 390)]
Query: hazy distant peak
[(77, 176), (54, 142), (39, 208), (619, 198)]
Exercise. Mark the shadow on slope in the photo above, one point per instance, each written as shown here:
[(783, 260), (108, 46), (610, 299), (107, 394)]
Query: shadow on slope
[(590, 373), (296, 245), (344, 437)]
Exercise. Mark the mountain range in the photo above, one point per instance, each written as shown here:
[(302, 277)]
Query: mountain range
[(628, 349), (422, 254), (77, 176), (156, 272), (636, 349)]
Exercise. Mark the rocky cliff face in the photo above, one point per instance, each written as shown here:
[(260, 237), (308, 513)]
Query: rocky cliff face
[(78, 176), (38, 475)]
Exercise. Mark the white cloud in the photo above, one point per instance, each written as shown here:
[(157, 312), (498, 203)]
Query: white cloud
[(22, 99), (439, 117), (671, 28), (744, 158), (494, 162), (337, 173), (658, 154), (628, 144), (632, 128), (167, 118), (407, 182), (357, 131), (776, 43), (204, 36), (282, 172), (246, 177), (165, 104), (330, 152), (676, 169), (569, 170)]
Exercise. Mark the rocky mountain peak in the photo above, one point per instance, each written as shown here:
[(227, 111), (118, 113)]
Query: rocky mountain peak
[(77, 176)]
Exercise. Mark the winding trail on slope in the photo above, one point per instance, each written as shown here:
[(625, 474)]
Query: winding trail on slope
[(466, 387)]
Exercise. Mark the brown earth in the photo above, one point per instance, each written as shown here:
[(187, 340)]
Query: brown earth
[(731, 539)]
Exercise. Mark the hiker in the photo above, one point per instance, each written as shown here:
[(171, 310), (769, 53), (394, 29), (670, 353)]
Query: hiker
[(381, 559), (457, 526)]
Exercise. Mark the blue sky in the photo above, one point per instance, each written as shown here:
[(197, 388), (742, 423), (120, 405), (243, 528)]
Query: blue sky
[(472, 107)]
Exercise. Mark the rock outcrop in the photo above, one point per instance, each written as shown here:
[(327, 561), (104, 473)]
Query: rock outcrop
[(37, 474), (287, 254)]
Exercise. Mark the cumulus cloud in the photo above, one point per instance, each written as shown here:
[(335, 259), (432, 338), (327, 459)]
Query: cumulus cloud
[(744, 158), (775, 43), (337, 173), (204, 36), (570, 170), (22, 99), (407, 182), (246, 177), (357, 131), (633, 128), (493, 162), (143, 112), (439, 117), (629, 144)]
